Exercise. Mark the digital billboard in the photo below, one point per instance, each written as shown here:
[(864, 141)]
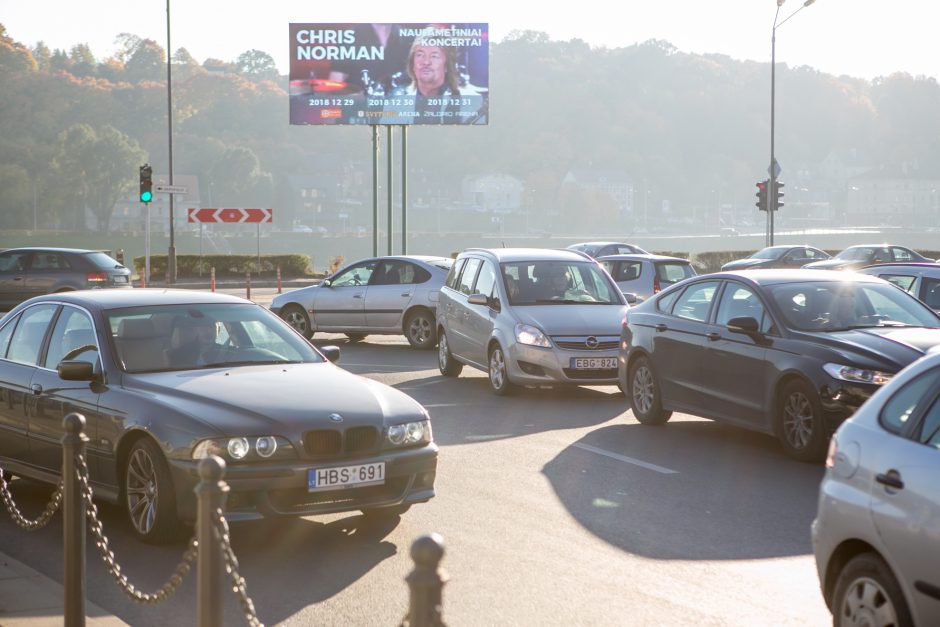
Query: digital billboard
[(430, 73)]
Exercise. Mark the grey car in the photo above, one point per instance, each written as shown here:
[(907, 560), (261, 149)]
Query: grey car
[(920, 279), (383, 295), (645, 275), (530, 316), (28, 272), (876, 536), (601, 249)]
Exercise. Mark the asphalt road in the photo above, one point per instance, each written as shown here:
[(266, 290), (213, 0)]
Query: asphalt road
[(556, 508)]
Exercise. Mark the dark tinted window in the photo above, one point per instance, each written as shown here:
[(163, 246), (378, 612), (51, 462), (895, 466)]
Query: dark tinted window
[(624, 270), (930, 291), (13, 261), (415, 274), (48, 261), (900, 407), (103, 261)]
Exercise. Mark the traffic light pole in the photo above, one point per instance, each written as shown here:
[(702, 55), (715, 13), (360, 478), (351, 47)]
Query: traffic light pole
[(171, 253), (771, 204)]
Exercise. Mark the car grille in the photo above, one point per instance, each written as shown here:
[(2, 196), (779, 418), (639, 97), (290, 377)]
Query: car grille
[(300, 500), (333, 442), (607, 373), (586, 342)]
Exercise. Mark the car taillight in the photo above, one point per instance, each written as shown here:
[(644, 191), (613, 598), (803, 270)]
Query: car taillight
[(96, 277), (833, 451), (656, 286)]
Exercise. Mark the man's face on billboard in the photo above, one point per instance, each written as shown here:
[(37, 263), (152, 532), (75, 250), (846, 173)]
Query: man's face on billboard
[(429, 68)]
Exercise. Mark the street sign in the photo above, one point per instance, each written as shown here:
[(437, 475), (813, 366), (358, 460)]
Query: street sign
[(171, 189), (234, 215), (774, 170)]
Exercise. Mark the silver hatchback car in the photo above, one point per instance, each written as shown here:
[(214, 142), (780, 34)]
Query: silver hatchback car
[(644, 275), (383, 295), (876, 536), (530, 316)]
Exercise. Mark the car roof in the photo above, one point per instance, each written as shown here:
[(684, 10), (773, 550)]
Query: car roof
[(642, 257), (44, 249), (137, 297), (599, 244), (795, 275), (926, 265), (527, 254)]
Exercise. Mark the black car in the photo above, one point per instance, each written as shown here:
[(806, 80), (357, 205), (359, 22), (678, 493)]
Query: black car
[(855, 257), (166, 378), (28, 272), (787, 352), (785, 256), (601, 249)]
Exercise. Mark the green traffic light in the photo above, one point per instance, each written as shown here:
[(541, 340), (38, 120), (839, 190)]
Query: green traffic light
[(146, 196)]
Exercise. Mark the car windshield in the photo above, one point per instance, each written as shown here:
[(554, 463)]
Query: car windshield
[(856, 253), (164, 338), (768, 253), (834, 306), (558, 283)]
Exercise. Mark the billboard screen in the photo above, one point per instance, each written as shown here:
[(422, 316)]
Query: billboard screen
[(389, 73)]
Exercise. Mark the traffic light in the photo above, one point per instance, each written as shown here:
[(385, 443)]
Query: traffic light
[(775, 200), (146, 183), (762, 194)]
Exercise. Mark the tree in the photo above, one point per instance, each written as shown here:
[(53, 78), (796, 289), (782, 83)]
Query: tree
[(83, 61), (257, 65), (146, 62)]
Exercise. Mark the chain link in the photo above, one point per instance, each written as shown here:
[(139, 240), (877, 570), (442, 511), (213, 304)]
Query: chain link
[(31, 525), (231, 566), (107, 555)]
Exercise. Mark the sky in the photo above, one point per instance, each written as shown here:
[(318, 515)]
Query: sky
[(860, 38)]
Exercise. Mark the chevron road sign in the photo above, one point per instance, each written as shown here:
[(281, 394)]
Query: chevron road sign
[(231, 215)]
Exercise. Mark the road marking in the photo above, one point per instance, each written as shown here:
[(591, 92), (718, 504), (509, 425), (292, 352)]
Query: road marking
[(629, 460)]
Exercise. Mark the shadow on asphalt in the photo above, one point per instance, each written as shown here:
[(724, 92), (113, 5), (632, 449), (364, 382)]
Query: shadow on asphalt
[(734, 494)]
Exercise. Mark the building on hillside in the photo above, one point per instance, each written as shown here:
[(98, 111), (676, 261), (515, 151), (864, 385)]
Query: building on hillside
[(499, 193), (905, 196)]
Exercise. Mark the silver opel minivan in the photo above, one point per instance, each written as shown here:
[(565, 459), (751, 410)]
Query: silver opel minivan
[(530, 317)]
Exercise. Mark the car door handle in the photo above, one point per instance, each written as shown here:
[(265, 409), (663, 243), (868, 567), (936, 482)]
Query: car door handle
[(661, 327), (713, 337), (890, 479), (357, 295), (36, 388), (406, 294)]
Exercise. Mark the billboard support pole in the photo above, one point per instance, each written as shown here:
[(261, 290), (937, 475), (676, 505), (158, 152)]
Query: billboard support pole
[(404, 189), (375, 190), (390, 164)]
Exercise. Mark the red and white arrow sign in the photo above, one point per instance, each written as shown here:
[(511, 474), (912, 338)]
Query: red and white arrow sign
[(231, 215)]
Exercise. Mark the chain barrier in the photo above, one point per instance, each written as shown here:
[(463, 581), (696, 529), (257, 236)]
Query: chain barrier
[(30, 525), (107, 555), (231, 567)]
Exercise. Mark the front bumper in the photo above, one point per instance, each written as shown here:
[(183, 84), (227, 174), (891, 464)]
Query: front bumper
[(841, 399), (534, 365), (280, 490)]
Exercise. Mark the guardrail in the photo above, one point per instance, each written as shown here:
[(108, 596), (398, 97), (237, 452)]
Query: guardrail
[(210, 548)]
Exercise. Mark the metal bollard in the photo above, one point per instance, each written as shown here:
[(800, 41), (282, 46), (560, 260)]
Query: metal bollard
[(279, 280), (248, 285), (426, 582), (73, 520), (211, 493), (212, 278)]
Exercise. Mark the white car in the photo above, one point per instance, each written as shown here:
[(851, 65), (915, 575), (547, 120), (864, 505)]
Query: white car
[(381, 295), (644, 275), (876, 536), (920, 279)]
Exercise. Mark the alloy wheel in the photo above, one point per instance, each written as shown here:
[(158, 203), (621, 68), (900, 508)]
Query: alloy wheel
[(798, 420), (867, 604), (420, 330), (643, 389), (497, 369), (142, 493)]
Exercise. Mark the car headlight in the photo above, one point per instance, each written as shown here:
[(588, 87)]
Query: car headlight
[(409, 433), (246, 449), (527, 334), (857, 375)]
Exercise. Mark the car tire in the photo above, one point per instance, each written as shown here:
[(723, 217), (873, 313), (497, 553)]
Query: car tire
[(149, 499), (644, 395), (865, 588), (800, 425), (295, 316), (448, 366), (356, 337), (419, 329), (498, 372)]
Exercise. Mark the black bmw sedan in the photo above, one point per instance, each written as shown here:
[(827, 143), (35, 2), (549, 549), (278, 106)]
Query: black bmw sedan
[(785, 256), (791, 353), (165, 378)]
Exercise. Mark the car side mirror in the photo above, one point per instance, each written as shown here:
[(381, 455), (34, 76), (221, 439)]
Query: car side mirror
[(331, 353), (76, 371), (745, 324), (326, 283), (478, 299), (631, 298)]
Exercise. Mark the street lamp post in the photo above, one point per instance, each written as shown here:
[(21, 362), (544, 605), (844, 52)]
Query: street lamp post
[(774, 169)]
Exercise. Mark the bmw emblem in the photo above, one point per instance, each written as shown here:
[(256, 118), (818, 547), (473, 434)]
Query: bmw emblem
[(591, 342), (336, 418)]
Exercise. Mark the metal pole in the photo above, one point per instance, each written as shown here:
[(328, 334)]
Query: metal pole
[(73, 520), (771, 205), (375, 190), (426, 582), (404, 189), (259, 249), (171, 256), (210, 492), (147, 245), (391, 160)]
